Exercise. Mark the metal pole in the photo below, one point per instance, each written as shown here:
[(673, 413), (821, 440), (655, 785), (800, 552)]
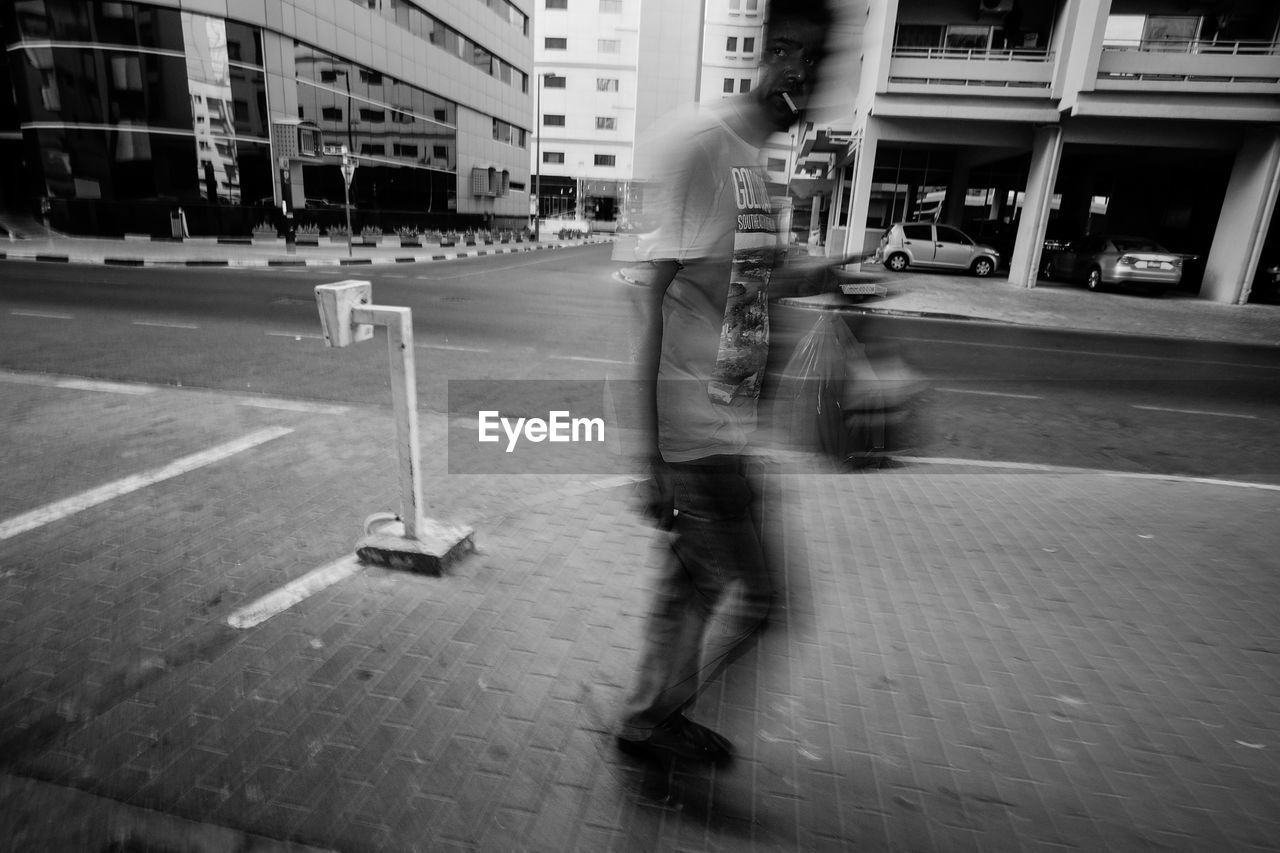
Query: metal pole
[(404, 405), (537, 159), (346, 203)]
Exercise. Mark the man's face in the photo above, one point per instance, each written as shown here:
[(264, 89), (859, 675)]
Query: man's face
[(792, 58)]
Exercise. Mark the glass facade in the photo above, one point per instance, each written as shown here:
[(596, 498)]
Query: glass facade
[(125, 112), (394, 129), (118, 143)]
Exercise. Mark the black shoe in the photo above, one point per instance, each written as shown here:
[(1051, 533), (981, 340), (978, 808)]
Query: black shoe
[(680, 737)]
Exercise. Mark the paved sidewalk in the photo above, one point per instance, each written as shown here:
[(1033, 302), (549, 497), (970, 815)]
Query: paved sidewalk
[(959, 660)]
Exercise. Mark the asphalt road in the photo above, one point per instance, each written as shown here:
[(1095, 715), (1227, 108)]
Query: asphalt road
[(994, 392)]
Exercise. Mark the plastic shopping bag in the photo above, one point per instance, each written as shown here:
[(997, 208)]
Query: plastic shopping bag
[(829, 401)]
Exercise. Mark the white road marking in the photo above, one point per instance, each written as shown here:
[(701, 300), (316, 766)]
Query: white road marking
[(585, 358), (293, 406), (491, 270), (1195, 412), (42, 315), (1074, 352), (72, 505), (165, 325), (293, 592), (295, 335), (989, 393), (75, 384), (1100, 472), (452, 348)]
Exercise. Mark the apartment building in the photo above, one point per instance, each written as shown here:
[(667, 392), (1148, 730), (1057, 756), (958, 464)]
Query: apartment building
[(1047, 119), (611, 71), (236, 110)]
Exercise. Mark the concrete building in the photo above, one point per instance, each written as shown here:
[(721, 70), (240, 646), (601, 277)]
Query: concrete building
[(234, 110), (612, 70), (1027, 120)]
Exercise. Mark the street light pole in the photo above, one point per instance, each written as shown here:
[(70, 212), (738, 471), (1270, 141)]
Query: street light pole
[(537, 154)]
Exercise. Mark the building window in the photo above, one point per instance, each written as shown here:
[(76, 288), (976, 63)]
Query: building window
[(402, 150), (606, 123), (609, 46), (748, 45), (555, 43), (328, 75), (557, 4), (553, 156), (552, 120), (331, 113), (376, 116), (373, 78), (744, 85), (728, 85), (440, 152), (606, 159), (776, 164), (606, 84), (611, 7), (554, 82), (376, 149), (731, 44)]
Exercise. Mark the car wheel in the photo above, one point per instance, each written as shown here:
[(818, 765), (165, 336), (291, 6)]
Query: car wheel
[(1094, 282), (983, 267), (897, 262)]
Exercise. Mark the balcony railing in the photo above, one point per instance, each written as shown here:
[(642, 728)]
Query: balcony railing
[(1009, 72), (1191, 65)]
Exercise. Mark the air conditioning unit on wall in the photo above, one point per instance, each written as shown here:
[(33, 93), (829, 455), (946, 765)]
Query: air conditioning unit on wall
[(994, 7)]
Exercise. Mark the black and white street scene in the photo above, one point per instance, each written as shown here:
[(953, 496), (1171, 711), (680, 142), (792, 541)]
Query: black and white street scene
[(639, 425)]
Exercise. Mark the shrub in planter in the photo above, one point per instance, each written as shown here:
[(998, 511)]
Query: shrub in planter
[(264, 229), (338, 234), (409, 236), (309, 234), (371, 235)]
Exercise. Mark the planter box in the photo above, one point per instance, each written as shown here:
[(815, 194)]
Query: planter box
[(368, 241), (308, 240), (263, 236)]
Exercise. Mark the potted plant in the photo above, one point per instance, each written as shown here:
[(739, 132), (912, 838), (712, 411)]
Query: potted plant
[(339, 234), (371, 235), (264, 231), (308, 234), (450, 238), (409, 236)]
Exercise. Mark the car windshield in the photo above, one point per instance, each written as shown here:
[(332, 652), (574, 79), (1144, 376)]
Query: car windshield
[(1129, 244)]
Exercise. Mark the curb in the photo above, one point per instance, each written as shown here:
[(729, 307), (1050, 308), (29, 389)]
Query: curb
[(134, 261)]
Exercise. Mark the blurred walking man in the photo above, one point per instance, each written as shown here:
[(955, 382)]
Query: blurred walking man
[(705, 338)]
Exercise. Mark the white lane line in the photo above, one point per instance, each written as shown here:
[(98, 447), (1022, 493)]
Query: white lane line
[(76, 384), (70, 506), (492, 270), (282, 599), (1195, 412), (452, 348), (164, 325), (42, 315), (989, 393), (1098, 472), (295, 335), (585, 358), (294, 406), (1072, 352)]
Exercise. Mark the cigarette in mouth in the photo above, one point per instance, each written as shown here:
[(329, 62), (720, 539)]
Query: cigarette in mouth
[(791, 105)]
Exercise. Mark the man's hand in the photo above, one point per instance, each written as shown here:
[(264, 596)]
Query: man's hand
[(656, 496)]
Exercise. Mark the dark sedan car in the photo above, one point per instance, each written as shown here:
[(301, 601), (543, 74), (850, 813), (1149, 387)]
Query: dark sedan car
[(1101, 260)]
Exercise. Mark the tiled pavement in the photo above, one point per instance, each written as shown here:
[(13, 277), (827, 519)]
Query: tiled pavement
[(959, 659)]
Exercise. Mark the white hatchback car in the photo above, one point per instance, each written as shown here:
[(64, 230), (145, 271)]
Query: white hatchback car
[(926, 244)]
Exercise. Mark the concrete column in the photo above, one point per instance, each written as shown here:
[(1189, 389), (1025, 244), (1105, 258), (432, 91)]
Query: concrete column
[(1046, 154), (1244, 220), (856, 240), (957, 193)]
